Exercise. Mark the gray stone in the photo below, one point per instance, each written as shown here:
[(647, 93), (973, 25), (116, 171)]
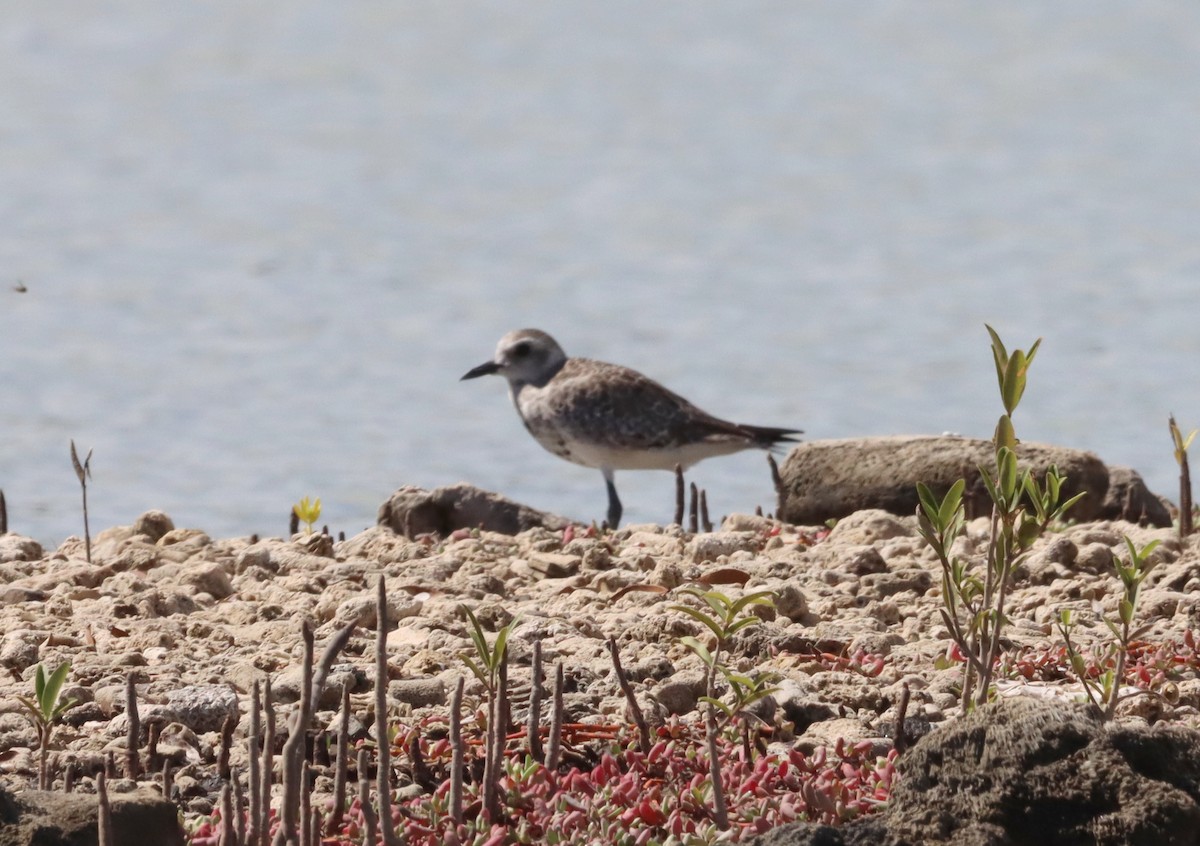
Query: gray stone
[(257, 555), (287, 685), (17, 548), (802, 705), (16, 595), (862, 560), (834, 479), (203, 708), (867, 527), (20, 649), (1129, 499), (554, 565), (791, 603), (710, 547), (680, 694), (413, 511), (34, 818), (381, 544), (1093, 558), (153, 524), (208, 578), (418, 693), (890, 584), (362, 610), (1049, 562)]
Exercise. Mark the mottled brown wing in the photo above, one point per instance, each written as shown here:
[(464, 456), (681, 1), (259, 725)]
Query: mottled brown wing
[(633, 411)]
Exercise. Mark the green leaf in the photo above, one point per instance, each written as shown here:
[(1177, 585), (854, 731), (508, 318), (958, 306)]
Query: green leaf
[(1007, 477), (476, 633), (31, 706), (1138, 557), (738, 625), (1078, 665), (1028, 531), (1032, 352), (717, 703), (1005, 435), (990, 484), (699, 648), (928, 501), (1014, 382), (717, 601), (475, 669), (1066, 506), (761, 597), (500, 646), (951, 504), (1125, 611), (49, 696), (1054, 482), (703, 618), (738, 681), (999, 355)]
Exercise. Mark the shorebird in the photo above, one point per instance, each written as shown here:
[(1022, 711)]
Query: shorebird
[(611, 417)]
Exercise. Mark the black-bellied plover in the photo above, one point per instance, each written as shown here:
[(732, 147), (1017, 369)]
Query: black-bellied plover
[(610, 417)]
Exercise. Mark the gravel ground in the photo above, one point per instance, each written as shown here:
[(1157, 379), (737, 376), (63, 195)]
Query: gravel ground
[(195, 622)]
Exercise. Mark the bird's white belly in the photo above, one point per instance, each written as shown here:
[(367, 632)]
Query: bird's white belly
[(591, 454)]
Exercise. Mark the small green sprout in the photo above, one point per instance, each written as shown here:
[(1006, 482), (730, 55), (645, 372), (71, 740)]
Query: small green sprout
[(1104, 692), (1185, 476), (45, 709), (485, 665), (728, 617), (308, 511), (83, 471)]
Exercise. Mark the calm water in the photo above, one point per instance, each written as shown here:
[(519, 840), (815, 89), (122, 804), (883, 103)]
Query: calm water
[(262, 241)]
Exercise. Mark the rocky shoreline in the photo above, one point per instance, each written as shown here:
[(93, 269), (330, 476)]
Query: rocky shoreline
[(195, 622)]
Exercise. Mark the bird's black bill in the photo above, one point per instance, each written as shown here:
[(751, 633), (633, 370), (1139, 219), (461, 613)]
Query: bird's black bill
[(485, 369)]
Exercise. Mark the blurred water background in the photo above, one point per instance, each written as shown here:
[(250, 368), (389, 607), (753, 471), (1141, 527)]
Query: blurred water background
[(261, 241)]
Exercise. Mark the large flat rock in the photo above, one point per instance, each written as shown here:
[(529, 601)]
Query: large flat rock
[(823, 480), (413, 511)]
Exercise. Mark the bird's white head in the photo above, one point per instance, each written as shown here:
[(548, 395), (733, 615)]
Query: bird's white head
[(523, 357)]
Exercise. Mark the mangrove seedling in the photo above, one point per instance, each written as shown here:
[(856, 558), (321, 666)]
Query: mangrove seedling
[(490, 666), (44, 709), (308, 511), (1104, 691), (1022, 509), (84, 472), (728, 617), (485, 665), (1185, 476)]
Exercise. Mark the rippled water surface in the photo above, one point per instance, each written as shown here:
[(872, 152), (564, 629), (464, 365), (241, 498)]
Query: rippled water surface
[(262, 241)]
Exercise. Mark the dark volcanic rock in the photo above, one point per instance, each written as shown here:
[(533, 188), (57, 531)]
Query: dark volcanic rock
[(35, 818), (1129, 499), (1025, 772), (833, 479), (413, 511)]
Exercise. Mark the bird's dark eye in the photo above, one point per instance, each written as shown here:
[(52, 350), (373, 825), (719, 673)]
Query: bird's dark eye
[(521, 350)]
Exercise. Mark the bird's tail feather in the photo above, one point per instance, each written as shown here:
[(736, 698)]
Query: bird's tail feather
[(769, 437)]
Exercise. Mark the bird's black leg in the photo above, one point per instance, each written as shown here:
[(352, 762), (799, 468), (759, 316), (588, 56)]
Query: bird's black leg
[(614, 502)]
